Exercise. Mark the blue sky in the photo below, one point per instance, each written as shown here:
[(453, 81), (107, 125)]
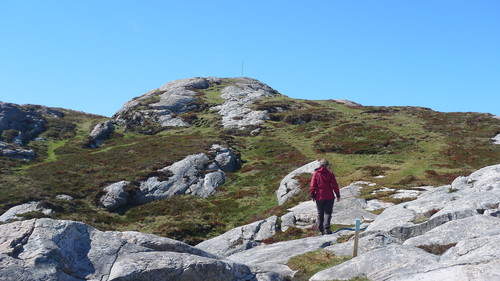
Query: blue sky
[(94, 56)]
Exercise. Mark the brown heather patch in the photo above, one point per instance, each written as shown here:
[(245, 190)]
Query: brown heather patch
[(243, 194), (408, 180), (470, 153), (437, 249), (361, 138), (380, 110), (431, 212), (436, 178), (312, 103), (425, 216), (375, 170), (272, 106), (297, 117)]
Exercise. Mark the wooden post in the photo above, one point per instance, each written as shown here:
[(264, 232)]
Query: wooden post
[(356, 238)]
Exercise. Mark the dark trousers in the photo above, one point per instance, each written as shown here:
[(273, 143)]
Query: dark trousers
[(325, 208)]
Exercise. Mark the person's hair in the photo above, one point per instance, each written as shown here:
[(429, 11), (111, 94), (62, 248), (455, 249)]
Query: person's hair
[(323, 162)]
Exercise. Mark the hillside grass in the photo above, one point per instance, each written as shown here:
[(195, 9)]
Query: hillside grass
[(311, 263), (409, 146)]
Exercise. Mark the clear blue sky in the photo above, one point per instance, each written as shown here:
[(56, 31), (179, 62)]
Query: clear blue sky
[(94, 56)]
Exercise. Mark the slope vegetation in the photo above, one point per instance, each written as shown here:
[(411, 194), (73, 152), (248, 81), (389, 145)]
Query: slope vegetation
[(408, 146)]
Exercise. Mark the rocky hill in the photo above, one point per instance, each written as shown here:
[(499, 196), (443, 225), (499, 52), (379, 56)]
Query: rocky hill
[(223, 163)]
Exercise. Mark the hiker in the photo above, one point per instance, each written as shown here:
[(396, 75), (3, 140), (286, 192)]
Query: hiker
[(322, 189)]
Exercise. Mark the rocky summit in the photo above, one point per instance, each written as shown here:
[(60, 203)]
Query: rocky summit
[(207, 178), (166, 105)]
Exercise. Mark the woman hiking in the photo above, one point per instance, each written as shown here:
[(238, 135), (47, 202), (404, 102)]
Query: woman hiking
[(322, 189)]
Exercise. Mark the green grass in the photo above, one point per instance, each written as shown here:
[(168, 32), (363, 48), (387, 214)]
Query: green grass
[(311, 263), (51, 155)]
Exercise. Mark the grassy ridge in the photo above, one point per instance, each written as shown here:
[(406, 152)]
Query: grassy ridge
[(410, 146)]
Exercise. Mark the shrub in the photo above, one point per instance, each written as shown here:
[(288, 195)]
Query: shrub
[(297, 117), (375, 170), (408, 180), (274, 106), (9, 135), (188, 117), (60, 128)]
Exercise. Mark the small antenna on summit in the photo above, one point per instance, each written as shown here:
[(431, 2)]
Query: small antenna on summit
[(242, 66)]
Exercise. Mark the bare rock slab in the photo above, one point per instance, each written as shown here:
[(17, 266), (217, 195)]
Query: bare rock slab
[(241, 238), (46, 249)]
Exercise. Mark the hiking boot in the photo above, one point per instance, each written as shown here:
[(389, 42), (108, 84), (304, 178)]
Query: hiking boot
[(321, 233), (328, 231)]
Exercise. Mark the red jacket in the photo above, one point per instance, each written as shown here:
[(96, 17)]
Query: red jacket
[(323, 185)]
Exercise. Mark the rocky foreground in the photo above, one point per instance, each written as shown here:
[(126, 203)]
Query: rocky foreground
[(450, 232)]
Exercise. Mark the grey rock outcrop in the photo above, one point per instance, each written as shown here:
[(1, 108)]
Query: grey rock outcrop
[(472, 258), (241, 238), (198, 175), (376, 204), (158, 243), (100, 133), (275, 256), (16, 152), (457, 221), (381, 264), (226, 159), (46, 249), (12, 213), (465, 197), (236, 111), (20, 124), (289, 185), (347, 102), (496, 139), (116, 196), (26, 120), (188, 176), (162, 105), (366, 243), (177, 266), (458, 230), (64, 197)]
